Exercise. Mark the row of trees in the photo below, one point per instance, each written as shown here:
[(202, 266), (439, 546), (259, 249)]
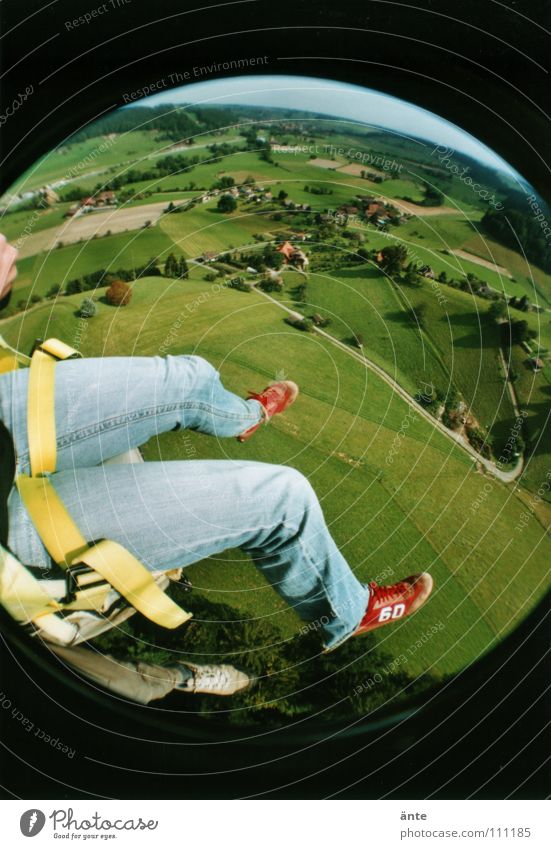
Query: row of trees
[(171, 124), (175, 267), (516, 225)]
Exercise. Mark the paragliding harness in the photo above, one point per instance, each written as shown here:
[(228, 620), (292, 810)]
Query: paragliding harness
[(100, 583)]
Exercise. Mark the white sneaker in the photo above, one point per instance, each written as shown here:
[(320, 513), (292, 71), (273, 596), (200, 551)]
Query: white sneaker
[(216, 679)]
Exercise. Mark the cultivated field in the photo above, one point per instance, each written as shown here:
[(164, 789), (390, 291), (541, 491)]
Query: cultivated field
[(398, 493), (388, 518), (93, 225)]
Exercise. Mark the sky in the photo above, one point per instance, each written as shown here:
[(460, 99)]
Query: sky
[(332, 98)]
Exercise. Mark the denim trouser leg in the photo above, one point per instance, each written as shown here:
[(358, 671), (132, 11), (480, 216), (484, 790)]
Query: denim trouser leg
[(106, 406), (172, 514)]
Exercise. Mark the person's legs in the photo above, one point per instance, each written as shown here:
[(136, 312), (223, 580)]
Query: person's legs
[(106, 406), (176, 513)]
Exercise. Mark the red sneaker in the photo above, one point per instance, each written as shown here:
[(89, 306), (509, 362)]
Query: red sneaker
[(274, 399), (388, 604)]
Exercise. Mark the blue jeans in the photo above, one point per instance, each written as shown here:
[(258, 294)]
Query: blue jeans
[(174, 513)]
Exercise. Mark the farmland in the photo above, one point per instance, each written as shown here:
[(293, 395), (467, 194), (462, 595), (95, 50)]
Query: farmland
[(414, 513), (398, 493)]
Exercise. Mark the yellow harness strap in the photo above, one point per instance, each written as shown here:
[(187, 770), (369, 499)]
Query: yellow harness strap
[(41, 404), (108, 559), (10, 359), (133, 581), (113, 566)]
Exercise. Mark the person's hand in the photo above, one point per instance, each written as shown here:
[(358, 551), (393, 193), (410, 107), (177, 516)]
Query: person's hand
[(8, 269)]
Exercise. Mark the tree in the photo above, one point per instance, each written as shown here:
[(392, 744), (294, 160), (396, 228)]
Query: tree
[(171, 266), (282, 195), (272, 257), (516, 332), (271, 283), (119, 294), (411, 278), (54, 290), (497, 311), (515, 223), (73, 287), (227, 204), (182, 268), (225, 182), (266, 152), (433, 197), (523, 304), (419, 315), (393, 258), (88, 308)]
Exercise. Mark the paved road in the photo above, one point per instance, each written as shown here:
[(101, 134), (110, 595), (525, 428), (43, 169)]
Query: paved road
[(505, 477)]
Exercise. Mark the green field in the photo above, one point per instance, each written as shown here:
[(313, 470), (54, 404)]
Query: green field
[(123, 250), (83, 162), (203, 228), (408, 515), (399, 495)]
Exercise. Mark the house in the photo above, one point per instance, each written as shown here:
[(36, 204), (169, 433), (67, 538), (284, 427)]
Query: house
[(287, 249), (293, 255), (208, 256), (107, 198), (375, 208), (426, 271), (268, 196), (536, 363), (348, 210), (48, 196)]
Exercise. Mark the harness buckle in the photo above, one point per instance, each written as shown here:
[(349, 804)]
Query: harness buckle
[(72, 583)]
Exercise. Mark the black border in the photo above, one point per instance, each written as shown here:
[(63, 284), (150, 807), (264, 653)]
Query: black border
[(482, 66)]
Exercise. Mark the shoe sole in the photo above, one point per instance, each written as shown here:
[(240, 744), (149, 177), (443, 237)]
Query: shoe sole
[(293, 387), (294, 395), (425, 578)]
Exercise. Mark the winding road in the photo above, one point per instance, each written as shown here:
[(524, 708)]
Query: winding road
[(504, 477)]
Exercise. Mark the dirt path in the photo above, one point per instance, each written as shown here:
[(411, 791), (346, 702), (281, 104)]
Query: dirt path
[(510, 387), (418, 210), (355, 168), (484, 262), (88, 225), (505, 477)]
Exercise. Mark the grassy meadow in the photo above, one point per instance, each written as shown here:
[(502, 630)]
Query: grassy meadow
[(391, 518), (399, 495)]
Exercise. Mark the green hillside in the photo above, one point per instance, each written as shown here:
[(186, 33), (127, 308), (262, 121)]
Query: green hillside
[(412, 514)]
